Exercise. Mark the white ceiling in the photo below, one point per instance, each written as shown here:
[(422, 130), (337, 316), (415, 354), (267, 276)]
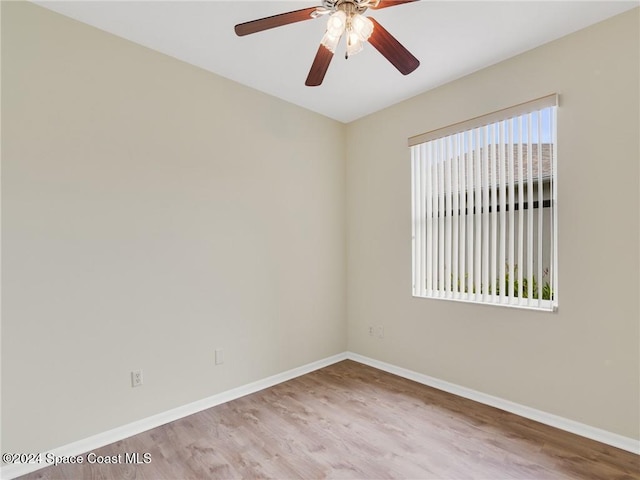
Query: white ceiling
[(450, 38)]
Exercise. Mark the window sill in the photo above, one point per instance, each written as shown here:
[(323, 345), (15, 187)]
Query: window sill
[(492, 300)]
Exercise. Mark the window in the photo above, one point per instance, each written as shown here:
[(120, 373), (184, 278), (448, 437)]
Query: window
[(484, 209)]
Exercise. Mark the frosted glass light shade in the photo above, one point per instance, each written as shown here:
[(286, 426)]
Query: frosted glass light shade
[(330, 41), (354, 44), (337, 23), (362, 26)]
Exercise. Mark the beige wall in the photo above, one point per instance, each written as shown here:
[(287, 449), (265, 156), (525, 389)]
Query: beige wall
[(582, 362), (152, 212)]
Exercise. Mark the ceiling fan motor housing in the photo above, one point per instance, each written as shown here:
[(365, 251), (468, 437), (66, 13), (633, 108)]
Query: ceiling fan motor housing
[(349, 6)]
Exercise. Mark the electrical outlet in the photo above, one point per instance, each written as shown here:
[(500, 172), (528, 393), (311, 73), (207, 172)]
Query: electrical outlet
[(219, 357), (371, 330), (136, 378), (380, 331)]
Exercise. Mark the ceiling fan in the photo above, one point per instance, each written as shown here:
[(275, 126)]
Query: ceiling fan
[(345, 17)]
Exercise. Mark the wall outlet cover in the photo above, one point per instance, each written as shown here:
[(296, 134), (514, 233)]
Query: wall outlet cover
[(136, 378)]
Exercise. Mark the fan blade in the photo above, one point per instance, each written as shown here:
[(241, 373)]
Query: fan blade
[(266, 23), (392, 49), (391, 3), (319, 67)]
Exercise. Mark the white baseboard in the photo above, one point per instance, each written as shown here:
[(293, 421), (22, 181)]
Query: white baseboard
[(125, 431), (597, 434)]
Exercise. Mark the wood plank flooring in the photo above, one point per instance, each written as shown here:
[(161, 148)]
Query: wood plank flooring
[(351, 421)]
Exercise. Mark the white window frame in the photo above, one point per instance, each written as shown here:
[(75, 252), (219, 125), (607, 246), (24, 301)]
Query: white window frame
[(484, 209)]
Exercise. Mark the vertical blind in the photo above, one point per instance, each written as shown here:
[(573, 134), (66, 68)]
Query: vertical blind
[(484, 208)]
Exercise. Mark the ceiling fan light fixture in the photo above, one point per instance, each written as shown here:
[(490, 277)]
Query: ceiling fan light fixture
[(337, 23), (330, 41), (359, 29), (354, 44), (336, 26), (362, 26), (345, 16)]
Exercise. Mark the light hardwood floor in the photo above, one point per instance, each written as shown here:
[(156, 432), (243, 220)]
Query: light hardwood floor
[(353, 421)]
